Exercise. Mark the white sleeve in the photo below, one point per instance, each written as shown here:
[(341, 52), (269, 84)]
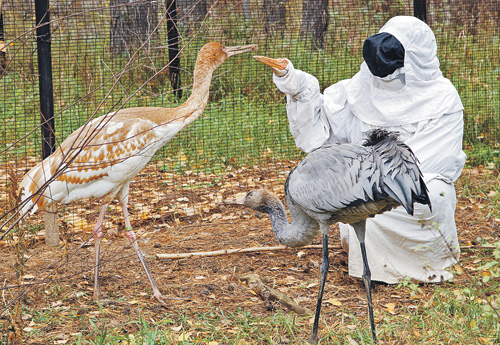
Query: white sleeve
[(309, 125), (437, 143)]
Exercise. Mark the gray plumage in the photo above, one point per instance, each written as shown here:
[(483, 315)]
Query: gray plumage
[(345, 183)]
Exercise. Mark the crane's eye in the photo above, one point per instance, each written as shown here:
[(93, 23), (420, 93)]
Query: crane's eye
[(283, 62)]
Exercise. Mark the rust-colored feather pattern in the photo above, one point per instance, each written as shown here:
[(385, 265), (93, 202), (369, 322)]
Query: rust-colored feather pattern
[(97, 159)]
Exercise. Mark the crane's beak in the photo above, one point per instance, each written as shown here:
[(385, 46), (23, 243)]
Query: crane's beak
[(238, 199), (230, 51), (279, 66)]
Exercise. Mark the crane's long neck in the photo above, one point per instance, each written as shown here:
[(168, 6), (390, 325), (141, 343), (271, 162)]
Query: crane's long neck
[(198, 99), (300, 232)]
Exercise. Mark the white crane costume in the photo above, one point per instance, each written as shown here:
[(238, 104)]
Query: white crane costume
[(425, 108)]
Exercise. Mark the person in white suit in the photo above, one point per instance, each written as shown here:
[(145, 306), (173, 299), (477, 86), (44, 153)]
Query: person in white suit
[(399, 87)]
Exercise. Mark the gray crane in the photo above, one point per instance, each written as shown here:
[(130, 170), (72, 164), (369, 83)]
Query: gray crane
[(345, 183)]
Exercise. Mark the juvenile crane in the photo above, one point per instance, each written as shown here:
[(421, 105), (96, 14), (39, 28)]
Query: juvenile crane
[(345, 183), (101, 158)]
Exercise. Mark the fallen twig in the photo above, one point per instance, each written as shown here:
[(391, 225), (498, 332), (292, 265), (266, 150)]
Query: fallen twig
[(234, 251), (264, 249), (484, 246), (267, 293)]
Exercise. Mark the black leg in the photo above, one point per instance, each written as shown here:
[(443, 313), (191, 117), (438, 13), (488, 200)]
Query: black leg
[(368, 286), (324, 272), (360, 229)]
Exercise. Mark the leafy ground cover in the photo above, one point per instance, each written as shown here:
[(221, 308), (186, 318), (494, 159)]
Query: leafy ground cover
[(208, 303)]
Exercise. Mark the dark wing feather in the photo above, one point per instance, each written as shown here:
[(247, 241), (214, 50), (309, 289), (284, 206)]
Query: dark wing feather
[(402, 178)]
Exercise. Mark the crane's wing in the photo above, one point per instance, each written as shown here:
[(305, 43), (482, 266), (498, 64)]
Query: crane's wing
[(93, 161), (401, 179), (346, 176), (334, 177)]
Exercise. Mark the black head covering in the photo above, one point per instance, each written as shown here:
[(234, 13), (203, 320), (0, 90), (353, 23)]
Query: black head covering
[(383, 54)]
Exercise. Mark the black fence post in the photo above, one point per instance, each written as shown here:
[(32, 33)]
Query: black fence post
[(173, 47), (45, 76), (45, 88), (420, 10), (2, 45)]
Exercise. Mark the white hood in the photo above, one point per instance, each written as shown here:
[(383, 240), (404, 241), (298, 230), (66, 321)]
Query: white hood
[(426, 94)]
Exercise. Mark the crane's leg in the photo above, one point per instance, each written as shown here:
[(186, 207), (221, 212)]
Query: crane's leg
[(360, 229), (97, 240), (324, 272), (133, 240)]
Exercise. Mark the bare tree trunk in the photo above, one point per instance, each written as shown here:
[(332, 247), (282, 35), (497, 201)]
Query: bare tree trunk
[(131, 24), (191, 14), (315, 19), (274, 16), (465, 14)]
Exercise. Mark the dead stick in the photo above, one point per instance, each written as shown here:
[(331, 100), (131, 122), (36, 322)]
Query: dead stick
[(486, 246), (234, 251), (268, 293)]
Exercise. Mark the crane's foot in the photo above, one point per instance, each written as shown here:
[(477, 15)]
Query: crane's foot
[(313, 339), (159, 298)]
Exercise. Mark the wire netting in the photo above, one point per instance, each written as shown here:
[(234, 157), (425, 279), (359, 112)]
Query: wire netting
[(112, 54)]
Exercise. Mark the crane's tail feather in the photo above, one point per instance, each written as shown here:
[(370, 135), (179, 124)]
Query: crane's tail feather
[(423, 198), (31, 198)]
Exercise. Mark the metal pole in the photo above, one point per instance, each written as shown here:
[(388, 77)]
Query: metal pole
[(2, 43), (45, 76), (42, 16), (420, 9), (173, 47)]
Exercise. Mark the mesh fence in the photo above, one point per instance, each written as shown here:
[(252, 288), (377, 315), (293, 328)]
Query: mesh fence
[(112, 54)]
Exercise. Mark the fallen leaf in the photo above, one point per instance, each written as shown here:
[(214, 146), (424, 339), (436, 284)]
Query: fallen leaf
[(215, 216), (389, 307), (183, 336), (76, 294), (176, 329), (56, 304), (290, 280), (351, 341), (333, 301)]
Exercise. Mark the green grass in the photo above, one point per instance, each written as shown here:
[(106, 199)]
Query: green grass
[(245, 107)]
